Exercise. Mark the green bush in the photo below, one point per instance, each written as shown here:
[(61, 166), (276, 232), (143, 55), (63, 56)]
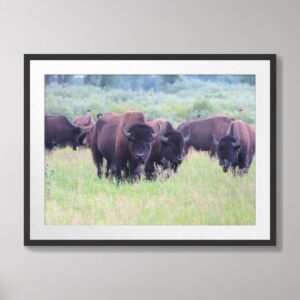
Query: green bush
[(178, 102)]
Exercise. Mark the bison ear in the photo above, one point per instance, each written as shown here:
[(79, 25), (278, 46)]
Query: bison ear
[(187, 137), (125, 132), (236, 145)]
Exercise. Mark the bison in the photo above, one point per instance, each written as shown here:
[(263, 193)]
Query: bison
[(82, 121), (60, 132), (167, 149), (125, 141), (237, 147), (205, 132)]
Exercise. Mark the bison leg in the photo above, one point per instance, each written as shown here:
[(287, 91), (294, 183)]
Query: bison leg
[(74, 145), (248, 161), (175, 167), (186, 150), (135, 173), (212, 153), (49, 146), (98, 160), (99, 166), (118, 172), (108, 165), (129, 173), (234, 171), (242, 161), (242, 165), (150, 171)]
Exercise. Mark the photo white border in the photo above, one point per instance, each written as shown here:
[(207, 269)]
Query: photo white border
[(40, 231)]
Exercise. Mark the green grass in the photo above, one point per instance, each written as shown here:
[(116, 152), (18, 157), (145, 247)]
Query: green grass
[(199, 194)]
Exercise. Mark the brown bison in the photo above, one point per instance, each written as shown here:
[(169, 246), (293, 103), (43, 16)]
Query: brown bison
[(237, 147), (60, 132), (205, 132), (125, 142), (167, 149), (82, 121)]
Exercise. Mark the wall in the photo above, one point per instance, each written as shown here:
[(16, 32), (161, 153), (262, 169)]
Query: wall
[(142, 26)]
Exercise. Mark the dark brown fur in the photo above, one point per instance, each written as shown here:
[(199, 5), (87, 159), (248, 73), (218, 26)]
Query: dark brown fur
[(237, 148), (168, 154), (109, 142), (202, 132), (60, 132)]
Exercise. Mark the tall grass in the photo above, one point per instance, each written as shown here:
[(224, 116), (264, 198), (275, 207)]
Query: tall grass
[(199, 194)]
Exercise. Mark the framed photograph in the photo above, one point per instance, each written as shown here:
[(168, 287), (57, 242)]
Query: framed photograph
[(150, 149)]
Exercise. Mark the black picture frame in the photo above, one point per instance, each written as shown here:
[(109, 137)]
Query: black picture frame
[(31, 57)]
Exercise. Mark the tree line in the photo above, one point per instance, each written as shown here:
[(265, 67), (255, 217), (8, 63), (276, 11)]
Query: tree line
[(142, 82)]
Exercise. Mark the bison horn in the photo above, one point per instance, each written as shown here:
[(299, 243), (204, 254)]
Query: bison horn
[(81, 137), (163, 138), (187, 137), (235, 144), (125, 132), (215, 141), (159, 133)]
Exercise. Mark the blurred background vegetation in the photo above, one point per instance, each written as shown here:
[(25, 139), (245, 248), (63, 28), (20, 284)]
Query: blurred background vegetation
[(174, 97)]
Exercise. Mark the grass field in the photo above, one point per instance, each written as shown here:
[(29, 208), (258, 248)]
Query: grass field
[(199, 194)]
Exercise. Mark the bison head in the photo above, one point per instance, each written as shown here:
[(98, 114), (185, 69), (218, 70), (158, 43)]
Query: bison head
[(172, 146), (76, 135), (140, 137), (228, 152)]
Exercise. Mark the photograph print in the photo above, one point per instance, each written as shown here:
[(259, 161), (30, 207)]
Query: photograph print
[(149, 150)]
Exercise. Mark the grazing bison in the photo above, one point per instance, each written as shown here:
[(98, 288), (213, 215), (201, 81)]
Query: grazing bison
[(82, 121), (237, 148), (167, 149), (202, 133), (125, 142), (60, 132)]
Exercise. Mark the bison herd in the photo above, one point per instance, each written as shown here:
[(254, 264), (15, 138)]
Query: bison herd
[(132, 145)]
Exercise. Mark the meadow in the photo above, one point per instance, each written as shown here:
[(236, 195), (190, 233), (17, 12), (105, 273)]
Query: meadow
[(199, 194)]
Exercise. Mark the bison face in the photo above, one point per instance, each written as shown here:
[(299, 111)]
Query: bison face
[(140, 137), (228, 152), (172, 147)]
